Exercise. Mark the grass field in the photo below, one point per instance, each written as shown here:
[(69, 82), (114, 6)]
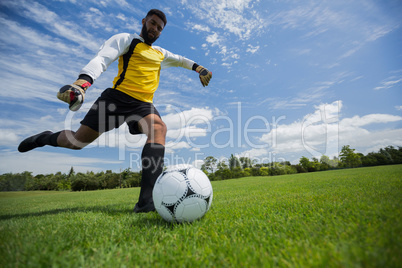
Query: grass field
[(340, 218)]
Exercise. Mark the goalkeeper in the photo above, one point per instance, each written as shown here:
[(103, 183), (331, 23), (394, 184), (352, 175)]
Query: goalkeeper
[(130, 100)]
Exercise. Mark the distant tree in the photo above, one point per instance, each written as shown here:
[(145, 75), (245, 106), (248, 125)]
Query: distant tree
[(305, 163), (71, 173), (209, 164), (131, 179), (264, 171), (369, 160), (247, 172), (234, 162), (276, 169), (222, 165), (216, 170), (223, 172), (325, 162), (245, 162), (395, 155), (237, 172), (299, 168), (17, 181), (255, 170), (324, 159), (349, 158), (387, 156)]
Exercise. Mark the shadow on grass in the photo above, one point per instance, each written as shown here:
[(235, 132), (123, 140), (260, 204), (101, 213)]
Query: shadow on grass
[(151, 219), (116, 209)]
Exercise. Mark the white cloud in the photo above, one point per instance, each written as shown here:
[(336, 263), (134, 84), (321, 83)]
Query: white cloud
[(357, 121), (226, 21), (121, 16), (389, 83), (186, 132), (236, 17), (189, 124), (107, 21), (213, 39), (254, 153), (8, 137), (201, 28), (58, 26), (323, 132), (171, 146), (194, 116), (13, 33), (252, 49), (97, 19), (367, 142)]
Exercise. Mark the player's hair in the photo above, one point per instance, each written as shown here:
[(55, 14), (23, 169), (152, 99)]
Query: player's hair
[(158, 13)]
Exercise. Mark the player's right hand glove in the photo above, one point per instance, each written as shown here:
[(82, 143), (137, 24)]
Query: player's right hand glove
[(205, 75), (74, 94)]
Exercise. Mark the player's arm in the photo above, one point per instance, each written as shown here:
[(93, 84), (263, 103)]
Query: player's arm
[(110, 51), (174, 60)]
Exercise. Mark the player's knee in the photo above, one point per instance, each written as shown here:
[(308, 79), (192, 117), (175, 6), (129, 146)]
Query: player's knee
[(67, 140), (160, 128), (72, 145), (158, 131)]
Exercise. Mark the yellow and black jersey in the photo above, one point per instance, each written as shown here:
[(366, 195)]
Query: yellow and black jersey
[(139, 65)]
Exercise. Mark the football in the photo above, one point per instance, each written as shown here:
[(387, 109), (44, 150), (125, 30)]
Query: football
[(182, 194)]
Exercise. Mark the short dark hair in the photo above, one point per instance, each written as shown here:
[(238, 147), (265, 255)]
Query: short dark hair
[(158, 13)]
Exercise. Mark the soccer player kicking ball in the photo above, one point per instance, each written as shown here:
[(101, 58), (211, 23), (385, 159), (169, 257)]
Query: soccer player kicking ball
[(130, 99)]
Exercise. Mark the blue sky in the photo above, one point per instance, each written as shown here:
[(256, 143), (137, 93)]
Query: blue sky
[(290, 79)]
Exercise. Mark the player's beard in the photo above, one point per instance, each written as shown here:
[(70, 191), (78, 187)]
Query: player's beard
[(144, 33)]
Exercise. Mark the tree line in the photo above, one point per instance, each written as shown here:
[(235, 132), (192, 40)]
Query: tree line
[(237, 167), (234, 167), (72, 181)]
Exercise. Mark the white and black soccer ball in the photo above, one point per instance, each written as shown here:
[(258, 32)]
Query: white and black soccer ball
[(182, 195)]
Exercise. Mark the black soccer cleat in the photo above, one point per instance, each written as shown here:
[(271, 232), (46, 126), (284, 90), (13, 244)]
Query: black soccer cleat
[(31, 143), (144, 209)]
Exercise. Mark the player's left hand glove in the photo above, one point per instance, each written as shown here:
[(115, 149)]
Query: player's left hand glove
[(205, 75), (74, 94)]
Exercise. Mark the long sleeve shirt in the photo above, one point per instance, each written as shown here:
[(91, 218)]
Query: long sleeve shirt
[(139, 64)]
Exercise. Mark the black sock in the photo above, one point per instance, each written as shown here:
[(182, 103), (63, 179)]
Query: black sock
[(48, 139), (152, 166)]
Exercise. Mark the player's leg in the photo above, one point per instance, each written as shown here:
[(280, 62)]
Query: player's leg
[(152, 159), (95, 122), (77, 140), (155, 129), (65, 138)]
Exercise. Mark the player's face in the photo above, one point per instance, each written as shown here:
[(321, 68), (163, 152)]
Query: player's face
[(151, 29)]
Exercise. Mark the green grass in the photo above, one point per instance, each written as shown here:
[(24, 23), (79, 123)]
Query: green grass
[(341, 218)]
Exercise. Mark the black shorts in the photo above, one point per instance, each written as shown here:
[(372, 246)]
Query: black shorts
[(113, 108)]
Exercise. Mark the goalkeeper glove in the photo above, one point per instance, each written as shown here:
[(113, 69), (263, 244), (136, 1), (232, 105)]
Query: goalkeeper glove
[(205, 75), (74, 94)]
